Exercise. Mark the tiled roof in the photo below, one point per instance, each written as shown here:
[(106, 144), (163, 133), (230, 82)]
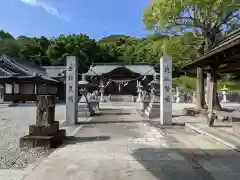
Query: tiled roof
[(19, 67), (54, 71), (103, 69)]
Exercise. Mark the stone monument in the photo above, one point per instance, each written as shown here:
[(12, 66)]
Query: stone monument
[(166, 90), (71, 90), (46, 132)]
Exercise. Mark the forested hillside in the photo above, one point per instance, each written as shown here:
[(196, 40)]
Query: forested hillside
[(114, 48)]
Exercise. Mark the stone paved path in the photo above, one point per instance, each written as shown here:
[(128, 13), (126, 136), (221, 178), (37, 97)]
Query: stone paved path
[(119, 145)]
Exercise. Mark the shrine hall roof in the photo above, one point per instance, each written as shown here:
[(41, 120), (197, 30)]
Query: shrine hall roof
[(16, 67), (54, 71), (99, 69)]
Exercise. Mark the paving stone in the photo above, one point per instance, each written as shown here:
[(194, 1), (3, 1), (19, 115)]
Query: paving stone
[(175, 165), (143, 175), (225, 176), (213, 167), (102, 174), (180, 175), (86, 164), (127, 155), (85, 175), (155, 156), (113, 164), (153, 139), (135, 165), (176, 156)]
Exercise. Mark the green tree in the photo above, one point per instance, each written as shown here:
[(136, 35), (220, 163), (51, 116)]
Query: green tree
[(207, 19)]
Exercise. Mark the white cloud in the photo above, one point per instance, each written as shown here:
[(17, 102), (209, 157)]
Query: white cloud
[(47, 7)]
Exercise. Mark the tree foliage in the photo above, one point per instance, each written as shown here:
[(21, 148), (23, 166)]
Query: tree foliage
[(209, 20), (115, 48)]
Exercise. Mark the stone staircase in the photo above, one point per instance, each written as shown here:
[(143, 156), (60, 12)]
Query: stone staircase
[(121, 98)]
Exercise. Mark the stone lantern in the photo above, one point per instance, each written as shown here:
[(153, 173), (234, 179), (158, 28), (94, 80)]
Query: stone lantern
[(155, 89), (85, 108), (153, 110)]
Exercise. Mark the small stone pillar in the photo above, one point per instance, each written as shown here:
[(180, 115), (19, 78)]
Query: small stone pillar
[(178, 100), (101, 90), (179, 96), (46, 132), (139, 90), (224, 93), (143, 101)]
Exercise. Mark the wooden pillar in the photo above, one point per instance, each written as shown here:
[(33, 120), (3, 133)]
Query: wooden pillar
[(211, 97), (200, 95)]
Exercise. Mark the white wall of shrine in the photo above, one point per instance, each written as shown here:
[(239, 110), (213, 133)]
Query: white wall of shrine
[(30, 89)]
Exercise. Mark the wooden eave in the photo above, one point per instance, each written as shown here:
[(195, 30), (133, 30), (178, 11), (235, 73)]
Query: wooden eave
[(225, 56)]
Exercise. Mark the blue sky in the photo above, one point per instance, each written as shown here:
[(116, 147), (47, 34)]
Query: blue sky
[(97, 18)]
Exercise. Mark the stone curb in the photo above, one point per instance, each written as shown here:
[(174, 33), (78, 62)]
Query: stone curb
[(213, 137)]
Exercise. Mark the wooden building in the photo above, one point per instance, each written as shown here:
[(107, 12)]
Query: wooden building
[(22, 81), (224, 58), (124, 77)]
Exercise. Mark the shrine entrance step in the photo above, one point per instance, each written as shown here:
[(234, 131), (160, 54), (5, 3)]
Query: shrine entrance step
[(121, 98)]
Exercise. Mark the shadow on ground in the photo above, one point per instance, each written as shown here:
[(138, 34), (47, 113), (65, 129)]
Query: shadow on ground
[(189, 164), (75, 140), (113, 122), (113, 113)]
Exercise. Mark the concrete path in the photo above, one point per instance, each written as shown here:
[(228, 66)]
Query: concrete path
[(120, 145)]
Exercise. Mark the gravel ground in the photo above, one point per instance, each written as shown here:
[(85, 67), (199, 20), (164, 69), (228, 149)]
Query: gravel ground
[(14, 123)]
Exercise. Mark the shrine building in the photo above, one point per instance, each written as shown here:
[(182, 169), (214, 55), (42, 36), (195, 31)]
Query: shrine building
[(22, 80), (123, 78)]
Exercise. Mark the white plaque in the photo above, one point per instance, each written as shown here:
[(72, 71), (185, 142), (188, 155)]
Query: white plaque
[(71, 90), (166, 90)]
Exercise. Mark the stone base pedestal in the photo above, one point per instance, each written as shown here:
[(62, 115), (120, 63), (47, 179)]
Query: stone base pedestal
[(46, 132), (153, 110), (48, 142), (85, 108), (44, 136), (38, 130)]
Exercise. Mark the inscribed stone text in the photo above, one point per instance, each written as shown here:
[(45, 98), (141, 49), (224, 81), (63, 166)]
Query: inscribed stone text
[(166, 69), (167, 99), (70, 78), (167, 88), (166, 78), (70, 68), (70, 99), (70, 89)]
